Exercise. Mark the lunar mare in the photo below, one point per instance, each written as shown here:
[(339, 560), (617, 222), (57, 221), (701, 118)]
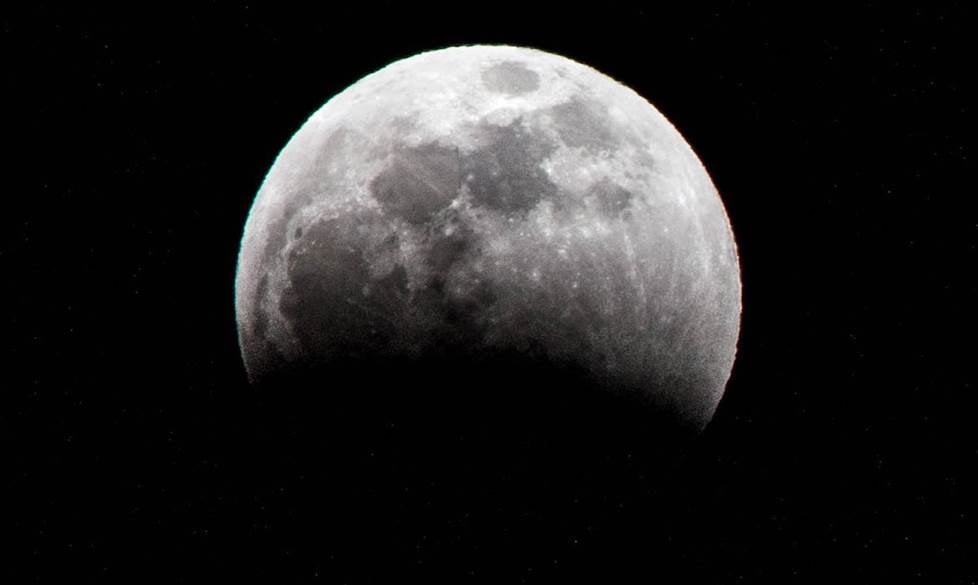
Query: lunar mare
[(490, 198)]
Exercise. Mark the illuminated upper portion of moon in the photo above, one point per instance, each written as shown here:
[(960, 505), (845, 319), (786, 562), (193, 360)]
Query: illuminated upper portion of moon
[(494, 197)]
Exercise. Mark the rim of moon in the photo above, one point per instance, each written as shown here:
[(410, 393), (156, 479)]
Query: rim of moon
[(485, 199)]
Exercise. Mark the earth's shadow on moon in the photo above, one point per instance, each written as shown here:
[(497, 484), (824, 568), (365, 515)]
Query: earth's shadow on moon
[(456, 460)]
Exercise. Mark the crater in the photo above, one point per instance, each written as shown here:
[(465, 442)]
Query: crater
[(510, 77), (419, 182)]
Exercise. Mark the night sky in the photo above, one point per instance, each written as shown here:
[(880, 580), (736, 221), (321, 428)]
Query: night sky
[(134, 448)]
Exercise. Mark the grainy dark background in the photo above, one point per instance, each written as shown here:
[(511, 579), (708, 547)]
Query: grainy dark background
[(844, 449)]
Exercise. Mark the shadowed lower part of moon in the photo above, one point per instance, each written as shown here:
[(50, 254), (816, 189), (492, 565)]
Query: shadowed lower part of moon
[(485, 201)]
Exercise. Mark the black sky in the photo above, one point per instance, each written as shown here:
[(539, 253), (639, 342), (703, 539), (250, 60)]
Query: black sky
[(844, 448)]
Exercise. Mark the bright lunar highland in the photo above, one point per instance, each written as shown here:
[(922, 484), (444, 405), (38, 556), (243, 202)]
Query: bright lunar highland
[(485, 199)]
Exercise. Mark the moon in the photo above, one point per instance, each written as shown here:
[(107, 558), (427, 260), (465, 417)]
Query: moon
[(485, 199)]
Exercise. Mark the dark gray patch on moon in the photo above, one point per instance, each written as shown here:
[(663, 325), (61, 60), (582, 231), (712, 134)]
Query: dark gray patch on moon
[(505, 173), (584, 123), (392, 288), (453, 301), (420, 181), (405, 124), (510, 77), (332, 304), (457, 320), (325, 163), (448, 250), (610, 198), (257, 335), (260, 326)]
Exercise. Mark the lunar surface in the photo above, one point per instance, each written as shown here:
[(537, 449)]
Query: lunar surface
[(483, 199)]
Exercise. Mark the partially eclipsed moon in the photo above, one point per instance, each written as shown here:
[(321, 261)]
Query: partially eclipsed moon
[(491, 198)]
